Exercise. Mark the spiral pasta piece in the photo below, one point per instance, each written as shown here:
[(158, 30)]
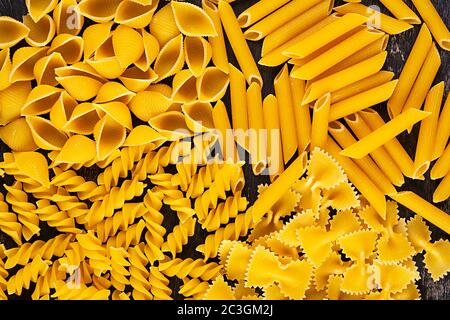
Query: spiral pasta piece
[(159, 285), (27, 275), (179, 237), (181, 268)]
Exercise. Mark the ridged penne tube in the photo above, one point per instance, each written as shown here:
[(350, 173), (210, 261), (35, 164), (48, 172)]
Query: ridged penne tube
[(198, 54), (424, 209), (40, 100), (301, 113), (137, 80), (362, 100), (38, 9), (325, 35), (184, 87), (41, 32), (385, 133), (70, 47), (198, 116), (238, 44), (12, 100), (17, 136), (81, 88), (23, 62), (283, 93), (94, 36), (151, 51), (109, 136), (67, 18), (170, 59), (365, 84), (148, 104), (393, 146), (83, 119), (128, 45), (442, 191), (258, 11), (381, 157), (223, 125), (163, 26), (424, 80), (98, 10), (345, 77), (344, 138), (427, 132), (44, 69), (192, 20), (275, 20), (410, 71), (171, 125), (257, 137), (361, 181), (117, 111), (401, 11), (442, 166), (334, 55), (70, 152), (62, 110), (375, 18), (212, 84), (434, 21), (5, 68), (135, 15), (296, 26), (319, 127), (443, 130), (13, 32), (239, 109), (45, 134)]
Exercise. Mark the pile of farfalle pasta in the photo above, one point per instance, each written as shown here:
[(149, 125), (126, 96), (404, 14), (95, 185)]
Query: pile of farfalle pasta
[(133, 90)]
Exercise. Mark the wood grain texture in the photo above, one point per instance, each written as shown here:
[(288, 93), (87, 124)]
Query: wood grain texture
[(399, 48)]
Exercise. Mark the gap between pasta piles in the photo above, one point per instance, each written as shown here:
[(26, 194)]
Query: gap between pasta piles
[(134, 133)]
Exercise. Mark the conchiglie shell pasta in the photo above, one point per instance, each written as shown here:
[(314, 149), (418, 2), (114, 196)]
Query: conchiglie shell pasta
[(142, 135), (79, 69), (198, 54), (134, 14), (5, 68), (199, 117), (109, 136), (33, 165), (70, 47), (151, 50), (94, 36), (117, 111), (212, 84), (41, 32), (184, 87), (148, 104), (62, 110), (171, 125), (163, 25), (114, 91), (99, 10), (23, 62), (44, 69), (170, 59), (45, 134), (17, 136), (83, 119), (13, 32), (12, 100), (192, 20), (145, 2), (40, 100), (108, 68), (81, 88), (161, 88), (128, 45), (137, 80), (67, 18), (78, 149), (39, 8)]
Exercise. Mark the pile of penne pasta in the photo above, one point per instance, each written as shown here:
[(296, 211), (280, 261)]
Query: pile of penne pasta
[(143, 93)]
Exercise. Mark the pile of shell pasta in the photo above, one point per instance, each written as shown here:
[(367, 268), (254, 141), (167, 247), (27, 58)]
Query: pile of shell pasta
[(143, 93)]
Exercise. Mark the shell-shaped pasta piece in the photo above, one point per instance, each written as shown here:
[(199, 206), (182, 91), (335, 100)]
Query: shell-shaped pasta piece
[(23, 62), (171, 125), (118, 111), (81, 88), (62, 110), (5, 68), (151, 50), (41, 32), (83, 119), (108, 68), (12, 100), (40, 100), (114, 91), (109, 136), (198, 54), (78, 149), (94, 36), (163, 25), (39, 8), (148, 104), (192, 20), (198, 116), (67, 18), (13, 32), (137, 80), (79, 69), (33, 165), (128, 45), (161, 88), (99, 10), (17, 136), (142, 135), (212, 84), (70, 47), (135, 15), (45, 134), (170, 59), (44, 69), (184, 87)]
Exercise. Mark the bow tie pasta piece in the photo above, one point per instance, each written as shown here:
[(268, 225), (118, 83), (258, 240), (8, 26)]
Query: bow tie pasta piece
[(170, 59), (77, 149), (237, 260), (12, 100), (44, 69), (70, 47), (5, 68), (151, 51), (324, 171), (359, 244), (332, 266), (184, 87), (342, 197), (163, 26), (17, 136), (40, 100), (13, 32), (288, 235), (41, 32), (285, 205), (411, 292), (45, 134), (99, 11), (192, 20), (310, 198), (23, 62), (393, 278), (219, 290), (198, 54), (134, 14)]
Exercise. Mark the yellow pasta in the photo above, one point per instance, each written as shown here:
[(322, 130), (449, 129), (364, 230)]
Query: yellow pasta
[(5, 68), (272, 125), (319, 127), (443, 130), (198, 116), (13, 32), (38, 9), (258, 11), (442, 191), (222, 124), (401, 11), (184, 89), (239, 108), (134, 14), (41, 32), (192, 20), (12, 100), (98, 10), (163, 26), (212, 84), (170, 59), (69, 46), (128, 45), (67, 19), (44, 69), (301, 114), (198, 54), (23, 62)]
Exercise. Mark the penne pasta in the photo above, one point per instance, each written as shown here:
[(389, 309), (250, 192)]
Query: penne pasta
[(443, 130), (239, 108), (258, 11), (442, 166), (319, 127), (257, 141), (274, 147), (301, 114), (442, 191), (222, 124), (401, 11)]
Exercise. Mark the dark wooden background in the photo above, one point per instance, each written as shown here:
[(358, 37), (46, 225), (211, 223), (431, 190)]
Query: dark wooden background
[(399, 48)]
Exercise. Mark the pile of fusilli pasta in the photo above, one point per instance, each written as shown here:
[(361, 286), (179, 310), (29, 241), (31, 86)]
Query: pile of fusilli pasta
[(126, 88)]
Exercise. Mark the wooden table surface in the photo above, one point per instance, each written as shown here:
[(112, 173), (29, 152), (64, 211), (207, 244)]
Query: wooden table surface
[(399, 48)]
